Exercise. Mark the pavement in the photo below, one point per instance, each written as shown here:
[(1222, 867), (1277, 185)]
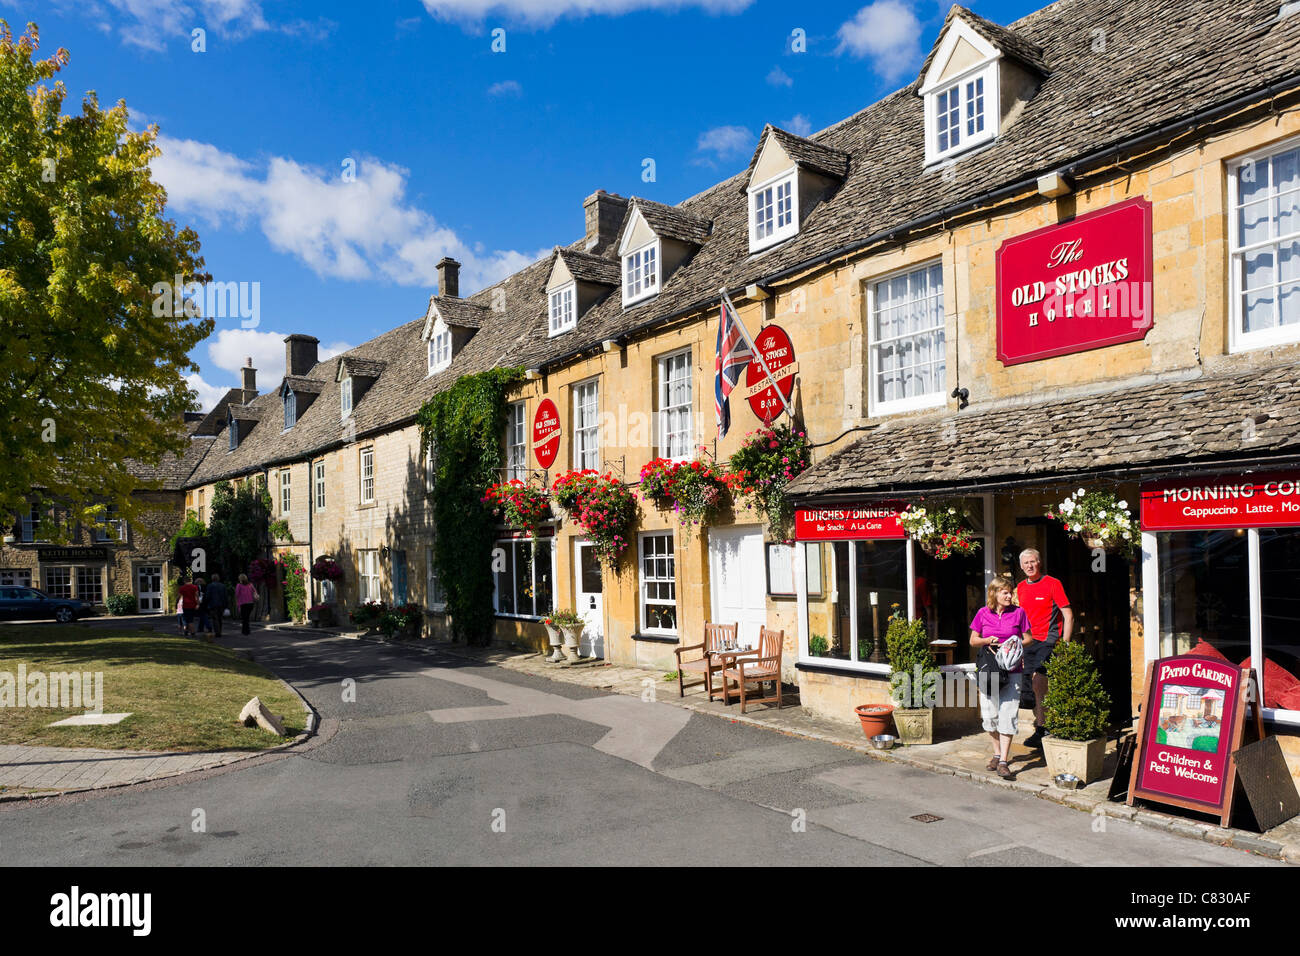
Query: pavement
[(435, 755)]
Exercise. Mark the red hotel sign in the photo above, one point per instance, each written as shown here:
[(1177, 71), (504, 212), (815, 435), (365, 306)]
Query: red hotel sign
[(546, 433), (844, 524), (1223, 501), (1080, 285), (774, 345)]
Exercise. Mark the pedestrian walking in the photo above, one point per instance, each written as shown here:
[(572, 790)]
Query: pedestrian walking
[(217, 600), (203, 626), (245, 598), (189, 599), (997, 631), (1043, 599)]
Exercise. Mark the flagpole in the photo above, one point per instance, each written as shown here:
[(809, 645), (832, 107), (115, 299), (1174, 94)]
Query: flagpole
[(758, 355)]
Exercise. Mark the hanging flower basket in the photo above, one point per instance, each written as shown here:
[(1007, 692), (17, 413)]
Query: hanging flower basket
[(695, 490), (520, 505), (568, 488), (657, 482), (326, 569), (1098, 519), (769, 460), (941, 531), (603, 507)]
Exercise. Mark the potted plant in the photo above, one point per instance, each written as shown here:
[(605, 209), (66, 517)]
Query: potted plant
[(321, 615), (555, 637), (401, 621), (570, 625), (367, 616), (818, 646), (521, 505), (941, 531), (1074, 711), (913, 677), (1098, 519), (875, 718), (695, 490)]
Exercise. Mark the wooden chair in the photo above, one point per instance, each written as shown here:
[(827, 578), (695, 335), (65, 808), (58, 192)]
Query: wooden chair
[(757, 666), (716, 637)]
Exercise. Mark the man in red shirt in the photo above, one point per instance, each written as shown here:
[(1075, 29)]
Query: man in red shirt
[(1050, 619), (189, 594)]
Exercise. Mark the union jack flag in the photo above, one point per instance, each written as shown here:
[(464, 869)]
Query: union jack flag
[(734, 354)]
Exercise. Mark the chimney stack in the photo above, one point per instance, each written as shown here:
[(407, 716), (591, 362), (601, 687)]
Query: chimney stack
[(449, 277), (299, 353), (249, 383), (604, 214)]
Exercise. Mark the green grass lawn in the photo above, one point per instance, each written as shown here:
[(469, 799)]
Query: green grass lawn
[(182, 694)]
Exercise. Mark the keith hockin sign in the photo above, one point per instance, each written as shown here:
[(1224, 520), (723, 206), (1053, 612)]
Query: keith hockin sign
[(1080, 285)]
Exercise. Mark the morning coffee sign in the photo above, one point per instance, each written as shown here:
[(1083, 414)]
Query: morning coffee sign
[(1192, 720), (1080, 285)]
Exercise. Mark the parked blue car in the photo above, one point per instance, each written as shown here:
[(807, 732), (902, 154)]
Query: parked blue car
[(29, 604)]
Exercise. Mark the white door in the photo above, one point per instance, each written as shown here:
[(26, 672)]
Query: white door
[(589, 596), (148, 589), (738, 579)]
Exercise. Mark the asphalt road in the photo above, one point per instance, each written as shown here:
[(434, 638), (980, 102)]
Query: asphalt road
[(442, 761)]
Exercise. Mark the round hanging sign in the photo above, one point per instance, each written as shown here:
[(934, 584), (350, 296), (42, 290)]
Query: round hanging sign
[(546, 433), (774, 345)]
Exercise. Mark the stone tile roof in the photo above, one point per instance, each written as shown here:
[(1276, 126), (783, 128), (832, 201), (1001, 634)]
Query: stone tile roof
[(589, 268), (1165, 60), (252, 412), (1008, 41), (301, 383), (806, 153), (172, 472), (1168, 422), (669, 221), (362, 367), (459, 312)]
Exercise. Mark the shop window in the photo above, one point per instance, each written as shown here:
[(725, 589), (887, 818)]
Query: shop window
[(368, 574), (1205, 592), (90, 585), (523, 578), (1279, 600), (58, 582), (1264, 235), (516, 442), (908, 350), (586, 443), (848, 616), (658, 584), (16, 577)]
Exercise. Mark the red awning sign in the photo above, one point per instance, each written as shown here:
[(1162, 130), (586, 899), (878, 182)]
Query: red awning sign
[(847, 524), (1223, 501)]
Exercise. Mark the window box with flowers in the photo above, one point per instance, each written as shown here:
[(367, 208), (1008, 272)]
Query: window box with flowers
[(521, 505), (941, 531), (1097, 519), (602, 506), (769, 460), (368, 615)]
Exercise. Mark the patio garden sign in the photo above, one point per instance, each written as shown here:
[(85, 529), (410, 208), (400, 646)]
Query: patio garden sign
[(1192, 721)]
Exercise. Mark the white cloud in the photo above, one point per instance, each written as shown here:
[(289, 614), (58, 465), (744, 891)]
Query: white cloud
[(209, 395), (798, 124), (505, 87), (724, 142), (542, 13), (778, 77), (151, 23), (886, 32), (363, 229)]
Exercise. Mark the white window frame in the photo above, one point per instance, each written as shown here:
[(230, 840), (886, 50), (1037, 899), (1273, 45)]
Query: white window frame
[(290, 409), (368, 582), (345, 396), (286, 491), (933, 399), (439, 350), (662, 408), (563, 309), (646, 282), (586, 432), (318, 477), (788, 181), (367, 474), (94, 576), (430, 464), (9, 578), (960, 85), (514, 576), (642, 581), (62, 569), (1238, 340), (108, 525), (432, 586), (517, 451)]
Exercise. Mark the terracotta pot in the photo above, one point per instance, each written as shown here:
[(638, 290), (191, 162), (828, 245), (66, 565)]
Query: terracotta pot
[(876, 718)]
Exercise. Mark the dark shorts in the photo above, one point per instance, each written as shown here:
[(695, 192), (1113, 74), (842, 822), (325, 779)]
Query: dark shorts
[(1036, 655), (189, 613)]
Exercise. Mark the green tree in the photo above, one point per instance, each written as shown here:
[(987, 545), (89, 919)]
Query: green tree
[(237, 526), (93, 378)]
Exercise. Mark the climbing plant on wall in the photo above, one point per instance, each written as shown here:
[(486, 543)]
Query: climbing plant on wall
[(464, 426)]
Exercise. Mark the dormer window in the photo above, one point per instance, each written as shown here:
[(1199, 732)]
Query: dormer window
[(440, 351), (233, 428), (961, 118), (563, 314), (345, 396), (773, 213), (290, 409), (641, 273)]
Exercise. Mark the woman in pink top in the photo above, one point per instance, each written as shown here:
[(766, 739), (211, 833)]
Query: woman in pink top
[(245, 598), (999, 620)]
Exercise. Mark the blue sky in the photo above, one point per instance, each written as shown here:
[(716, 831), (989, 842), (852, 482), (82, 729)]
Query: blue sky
[(333, 152)]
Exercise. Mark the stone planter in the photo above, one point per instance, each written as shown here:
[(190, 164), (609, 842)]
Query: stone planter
[(555, 638), (571, 637), (322, 618), (915, 725), (1083, 758)]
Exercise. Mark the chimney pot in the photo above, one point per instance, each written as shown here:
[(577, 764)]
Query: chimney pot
[(449, 277), (248, 383), (604, 214)]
